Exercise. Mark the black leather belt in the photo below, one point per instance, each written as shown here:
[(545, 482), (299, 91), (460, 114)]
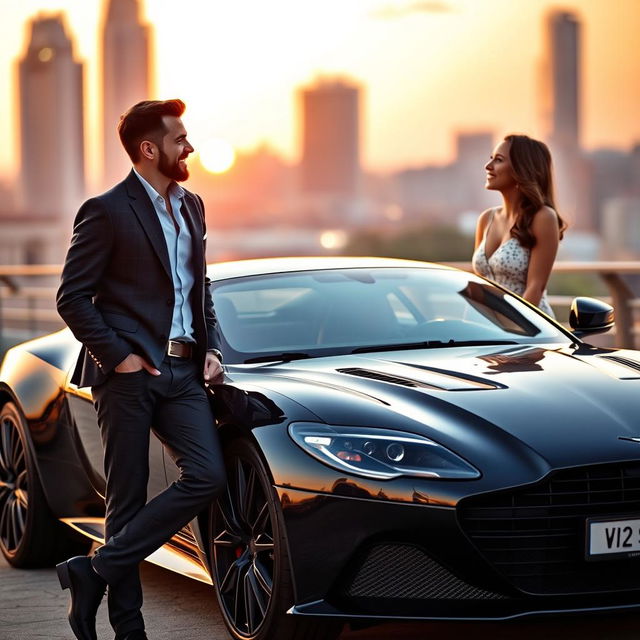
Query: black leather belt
[(178, 349)]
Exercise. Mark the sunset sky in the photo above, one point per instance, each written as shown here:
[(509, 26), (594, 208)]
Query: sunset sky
[(428, 68)]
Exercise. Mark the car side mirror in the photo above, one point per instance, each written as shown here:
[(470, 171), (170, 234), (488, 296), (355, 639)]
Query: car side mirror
[(589, 316)]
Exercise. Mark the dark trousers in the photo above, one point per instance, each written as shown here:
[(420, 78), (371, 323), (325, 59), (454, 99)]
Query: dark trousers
[(176, 407)]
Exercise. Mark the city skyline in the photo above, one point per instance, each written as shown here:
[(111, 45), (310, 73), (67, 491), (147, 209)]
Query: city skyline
[(52, 177), (329, 124), (126, 62), (412, 59), (561, 90)]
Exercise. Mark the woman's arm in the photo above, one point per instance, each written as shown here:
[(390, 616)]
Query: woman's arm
[(547, 234)]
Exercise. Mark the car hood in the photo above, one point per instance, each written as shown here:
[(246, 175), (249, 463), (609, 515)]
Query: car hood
[(563, 404)]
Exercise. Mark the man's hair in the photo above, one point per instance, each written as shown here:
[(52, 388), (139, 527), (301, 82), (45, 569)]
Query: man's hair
[(143, 121)]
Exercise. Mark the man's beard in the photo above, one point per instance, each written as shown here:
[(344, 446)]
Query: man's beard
[(173, 171)]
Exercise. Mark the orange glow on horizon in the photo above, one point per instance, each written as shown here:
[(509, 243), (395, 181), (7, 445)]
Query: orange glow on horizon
[(428, 70), (217, 155)]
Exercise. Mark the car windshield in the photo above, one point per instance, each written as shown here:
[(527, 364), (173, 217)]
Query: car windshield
[(314, 313)]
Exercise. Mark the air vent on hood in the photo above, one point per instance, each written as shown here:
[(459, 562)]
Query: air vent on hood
[(385, 377), (421, 378), (625, 362)]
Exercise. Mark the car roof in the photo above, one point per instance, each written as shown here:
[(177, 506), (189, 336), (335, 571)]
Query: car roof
[(264, 266)]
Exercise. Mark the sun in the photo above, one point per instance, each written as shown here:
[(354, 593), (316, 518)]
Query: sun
[(217, 155)]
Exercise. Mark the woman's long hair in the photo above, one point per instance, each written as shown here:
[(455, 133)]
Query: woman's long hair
[(532, 170)]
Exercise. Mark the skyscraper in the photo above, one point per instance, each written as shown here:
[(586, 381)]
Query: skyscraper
[(51, 121), (125, 77), (330, 119), (561, 90), (561, 114)]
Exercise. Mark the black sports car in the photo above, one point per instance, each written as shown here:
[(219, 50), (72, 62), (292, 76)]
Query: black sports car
[(403, 440)]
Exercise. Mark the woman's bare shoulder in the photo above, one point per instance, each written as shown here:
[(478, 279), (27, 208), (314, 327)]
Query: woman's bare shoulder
[(485, 216), (545, 216), (545, 225)]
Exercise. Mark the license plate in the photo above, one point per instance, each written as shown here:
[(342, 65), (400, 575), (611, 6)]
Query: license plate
[(609, 538)]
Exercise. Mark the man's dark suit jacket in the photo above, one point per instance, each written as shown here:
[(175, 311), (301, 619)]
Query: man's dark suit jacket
[(116, 293)]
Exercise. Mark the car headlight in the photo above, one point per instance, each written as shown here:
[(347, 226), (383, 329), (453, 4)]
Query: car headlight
[(379, 453)]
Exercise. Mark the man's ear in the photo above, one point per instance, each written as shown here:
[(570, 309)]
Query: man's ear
[(148, 149)]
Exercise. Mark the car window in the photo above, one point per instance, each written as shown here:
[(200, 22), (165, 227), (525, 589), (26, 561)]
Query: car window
[(334, 311), (404, 314)]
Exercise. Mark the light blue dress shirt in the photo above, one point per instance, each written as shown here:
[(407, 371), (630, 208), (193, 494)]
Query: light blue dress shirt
[(179, 248)]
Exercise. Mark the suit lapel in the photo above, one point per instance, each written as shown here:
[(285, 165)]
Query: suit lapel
[(148, 218), (192, 216)]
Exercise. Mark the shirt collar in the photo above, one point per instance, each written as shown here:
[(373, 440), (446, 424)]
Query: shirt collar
[(174, 189)]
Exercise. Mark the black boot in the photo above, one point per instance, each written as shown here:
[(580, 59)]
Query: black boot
[(87, 590)]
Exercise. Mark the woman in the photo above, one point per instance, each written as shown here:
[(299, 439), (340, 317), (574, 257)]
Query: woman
[(516, 244)]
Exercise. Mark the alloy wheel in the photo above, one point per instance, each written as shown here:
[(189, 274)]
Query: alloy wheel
[(14, 488), (243, 549)]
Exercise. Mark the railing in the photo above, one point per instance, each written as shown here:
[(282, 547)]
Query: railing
[(27, 299), (27, 302)]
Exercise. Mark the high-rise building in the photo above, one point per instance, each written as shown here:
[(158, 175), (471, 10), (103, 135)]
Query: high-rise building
[(330, 119), (51, 121), (561, 79), (126, 77), (561, 118)]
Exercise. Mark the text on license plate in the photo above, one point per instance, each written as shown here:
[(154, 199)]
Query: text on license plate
[(613, 536)]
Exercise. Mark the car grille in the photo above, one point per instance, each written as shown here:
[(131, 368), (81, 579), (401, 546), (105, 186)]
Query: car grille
[(405, 571), (535, 535)]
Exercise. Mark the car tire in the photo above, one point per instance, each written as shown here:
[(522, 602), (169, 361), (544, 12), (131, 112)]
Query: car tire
[(248, 552), (30, 536)]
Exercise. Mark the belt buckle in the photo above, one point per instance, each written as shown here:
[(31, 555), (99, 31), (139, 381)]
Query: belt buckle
[(175, 349)]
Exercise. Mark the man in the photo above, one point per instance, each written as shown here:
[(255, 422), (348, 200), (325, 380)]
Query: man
[(134, 292)]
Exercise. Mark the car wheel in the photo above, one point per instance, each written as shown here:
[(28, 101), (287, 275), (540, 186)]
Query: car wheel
[(249, 559), (29, 534)]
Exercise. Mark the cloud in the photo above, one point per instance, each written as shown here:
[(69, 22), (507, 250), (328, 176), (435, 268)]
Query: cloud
[(390, 12)]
